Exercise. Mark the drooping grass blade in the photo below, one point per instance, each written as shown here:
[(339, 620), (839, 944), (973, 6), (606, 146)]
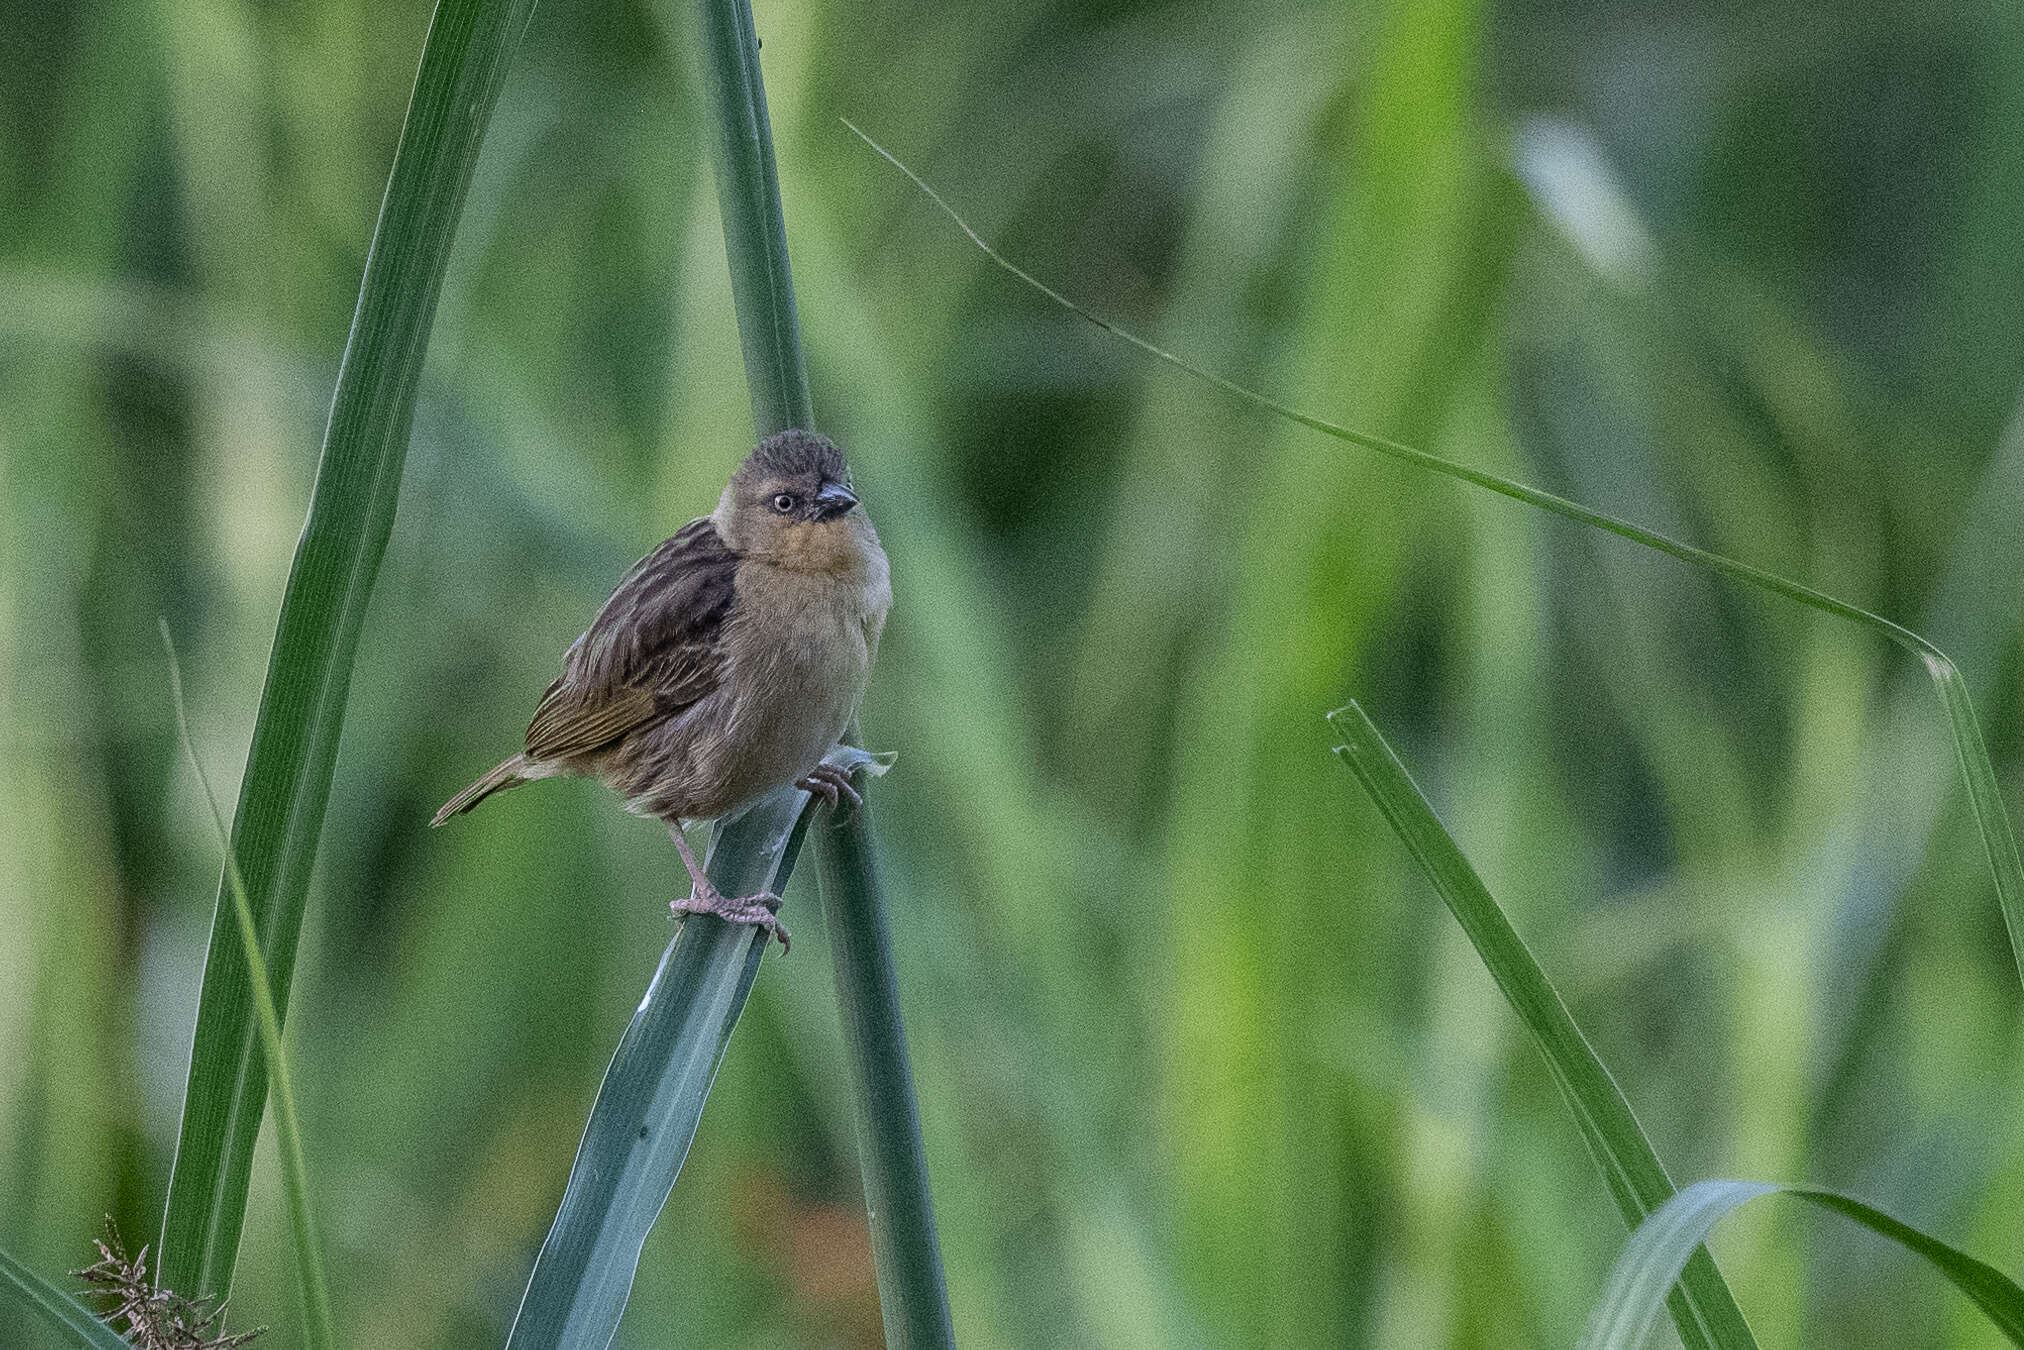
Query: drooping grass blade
[(1662, 1244), (1701, 1305), (312, 1277), (26, 1297), (652, 1096), (295, 738), (1985, 800)]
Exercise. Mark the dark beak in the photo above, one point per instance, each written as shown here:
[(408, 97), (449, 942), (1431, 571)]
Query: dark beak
[(834, 500)]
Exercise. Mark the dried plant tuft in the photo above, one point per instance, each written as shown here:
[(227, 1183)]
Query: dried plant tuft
[(155, 1319)]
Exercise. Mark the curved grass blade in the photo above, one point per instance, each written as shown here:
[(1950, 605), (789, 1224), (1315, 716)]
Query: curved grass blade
[(26, 1296), (1652, 1259), (1702, 1307), (911, 1293), (1985, 799), (651, 1100), (295, 738), (312, 1278)]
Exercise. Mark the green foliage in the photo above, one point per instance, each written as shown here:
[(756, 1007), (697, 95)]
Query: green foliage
[(724, 61), (1665, 1241), (1196, 1068)]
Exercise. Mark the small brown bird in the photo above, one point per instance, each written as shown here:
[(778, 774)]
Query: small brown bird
[(727, 662)]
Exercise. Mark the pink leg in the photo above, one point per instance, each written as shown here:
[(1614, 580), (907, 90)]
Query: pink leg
[(833, 785), (757, 910)]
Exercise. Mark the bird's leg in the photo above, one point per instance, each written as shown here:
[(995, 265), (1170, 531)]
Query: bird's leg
[(833, 785), (758, 910)]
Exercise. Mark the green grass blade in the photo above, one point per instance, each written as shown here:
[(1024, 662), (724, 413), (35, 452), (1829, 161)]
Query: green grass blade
[(1702, 1307), (726, 62), (651, 1100), (907, 1254), (312, 1276), (26, 1296), (913, 1300), (1652, 1259), (295, 739), (1985, 800)]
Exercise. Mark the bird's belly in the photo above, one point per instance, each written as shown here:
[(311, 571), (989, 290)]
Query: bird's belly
[(794, 699), (797, 655)]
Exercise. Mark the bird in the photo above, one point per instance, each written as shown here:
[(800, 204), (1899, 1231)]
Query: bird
[(726, 663)]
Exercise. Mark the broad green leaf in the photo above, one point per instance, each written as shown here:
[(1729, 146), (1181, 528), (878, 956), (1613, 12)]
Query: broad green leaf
[(1702, 1307), (295, 738), (1663, 1243), (1985, 800), (26, 1296), (651, 1100)]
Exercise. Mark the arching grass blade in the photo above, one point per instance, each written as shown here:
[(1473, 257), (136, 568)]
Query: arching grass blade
[(726, 64), (1662, 1244), (1701, 1305)]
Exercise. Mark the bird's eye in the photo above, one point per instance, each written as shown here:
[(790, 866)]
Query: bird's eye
[(783, 502)]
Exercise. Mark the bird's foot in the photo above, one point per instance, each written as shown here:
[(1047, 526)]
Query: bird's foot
[(758, 910), (833, 785)]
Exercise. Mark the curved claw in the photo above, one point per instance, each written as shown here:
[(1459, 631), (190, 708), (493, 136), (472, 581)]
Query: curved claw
[(760, 911), (833, 786)]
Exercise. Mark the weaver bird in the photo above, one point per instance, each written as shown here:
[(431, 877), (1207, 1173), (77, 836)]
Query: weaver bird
[(726, 664)]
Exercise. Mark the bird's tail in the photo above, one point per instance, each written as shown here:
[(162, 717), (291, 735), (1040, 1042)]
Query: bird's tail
[(508, 773)]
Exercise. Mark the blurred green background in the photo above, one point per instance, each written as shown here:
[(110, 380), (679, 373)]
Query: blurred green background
[(1202, 1059)]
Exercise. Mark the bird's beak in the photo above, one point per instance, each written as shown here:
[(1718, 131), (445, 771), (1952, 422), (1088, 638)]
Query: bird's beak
[(834, 500)]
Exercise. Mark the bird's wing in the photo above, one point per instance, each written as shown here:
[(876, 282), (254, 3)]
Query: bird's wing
[(654, 649)]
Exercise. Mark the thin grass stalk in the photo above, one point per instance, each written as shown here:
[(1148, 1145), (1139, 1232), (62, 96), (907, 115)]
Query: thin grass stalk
[(312, 1275), (913, 1296), (295, 737), (726, 60), (911, 1292), (1978, 774), (652, 1097), (1703, 1309)]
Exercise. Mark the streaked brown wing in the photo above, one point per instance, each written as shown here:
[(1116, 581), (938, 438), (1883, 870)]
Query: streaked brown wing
[(654, 649)]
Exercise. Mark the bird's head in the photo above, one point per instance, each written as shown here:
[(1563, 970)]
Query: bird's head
[(791, 503)]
